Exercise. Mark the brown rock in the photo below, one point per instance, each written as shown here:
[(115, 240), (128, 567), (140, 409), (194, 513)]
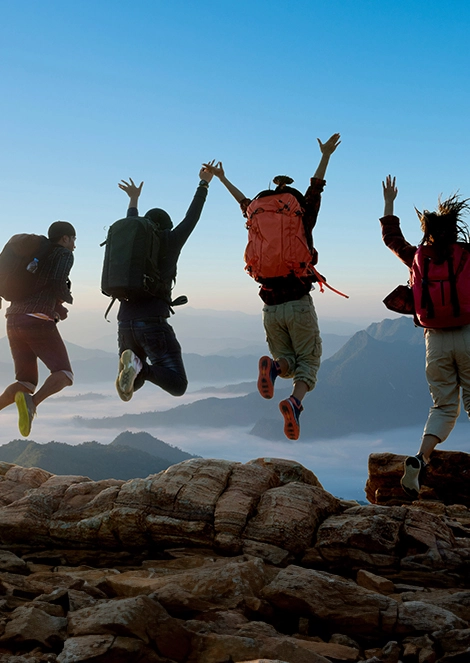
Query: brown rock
[(452, 642), (288, 516), (345, 606), (416, 616), (374, 583), (106, 649), (362, 536), (29, 625), (457, 602), (225, 583), (12, 564), (237, 504), (447, 478), (288, 471)]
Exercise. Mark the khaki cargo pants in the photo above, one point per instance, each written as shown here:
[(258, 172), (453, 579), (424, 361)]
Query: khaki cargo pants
[(292, 334), (447, 371)]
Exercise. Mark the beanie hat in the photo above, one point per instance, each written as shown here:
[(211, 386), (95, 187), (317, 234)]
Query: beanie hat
[(160, 217), (60, 228)]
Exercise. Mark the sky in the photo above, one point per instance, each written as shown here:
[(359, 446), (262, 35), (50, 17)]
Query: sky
[(94, 92)]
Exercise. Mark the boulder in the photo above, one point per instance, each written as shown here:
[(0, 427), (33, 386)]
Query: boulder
[(446, 478)]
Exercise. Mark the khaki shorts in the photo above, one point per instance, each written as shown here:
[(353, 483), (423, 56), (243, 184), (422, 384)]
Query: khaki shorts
[(292, 334)]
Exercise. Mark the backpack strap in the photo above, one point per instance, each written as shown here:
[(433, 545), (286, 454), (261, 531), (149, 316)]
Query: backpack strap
[(454, 297), (322, 282), (108, 309), (426, 301)]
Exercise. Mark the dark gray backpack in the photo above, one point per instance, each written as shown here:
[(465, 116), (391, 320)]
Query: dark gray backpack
[(131, 266)]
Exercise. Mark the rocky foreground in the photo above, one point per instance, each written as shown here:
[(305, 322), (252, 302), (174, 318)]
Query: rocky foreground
[(218, 562)]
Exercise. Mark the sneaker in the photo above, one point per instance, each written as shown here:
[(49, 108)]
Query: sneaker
[(130, 366), (26, 412), (410, 481), (291, 413), (268, 372)]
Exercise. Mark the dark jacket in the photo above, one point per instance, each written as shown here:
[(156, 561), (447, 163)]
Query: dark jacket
[(173, 240)]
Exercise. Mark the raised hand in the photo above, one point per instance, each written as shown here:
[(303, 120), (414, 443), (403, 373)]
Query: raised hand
[(206, 171), (330, 145), (131, 189), (215, 168), (389, 189)]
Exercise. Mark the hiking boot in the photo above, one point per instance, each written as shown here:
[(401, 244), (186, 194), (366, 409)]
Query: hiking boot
[(130, 366), (26, 412), (414, 467), (290, 410), (268, 372)]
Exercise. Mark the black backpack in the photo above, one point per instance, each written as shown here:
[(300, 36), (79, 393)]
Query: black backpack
[(20, 260), (132, 257)]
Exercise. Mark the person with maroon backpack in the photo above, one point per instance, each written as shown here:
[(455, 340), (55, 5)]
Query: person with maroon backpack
[(280, 255), (440, 284)]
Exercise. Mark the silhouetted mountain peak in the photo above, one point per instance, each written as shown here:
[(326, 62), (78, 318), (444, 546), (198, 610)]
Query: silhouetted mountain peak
[(396, 329)]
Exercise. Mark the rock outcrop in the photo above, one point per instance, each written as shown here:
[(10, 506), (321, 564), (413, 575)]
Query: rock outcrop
[(447, 478), (215, 562)]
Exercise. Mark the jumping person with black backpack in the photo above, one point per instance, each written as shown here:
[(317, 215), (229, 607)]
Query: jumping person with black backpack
[(34, 277), (281, 257), (440, 284), (140, 270)]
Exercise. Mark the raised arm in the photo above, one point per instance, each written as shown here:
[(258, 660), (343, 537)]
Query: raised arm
[(327, 150), (218, 171), (390, 193), (132, 191)]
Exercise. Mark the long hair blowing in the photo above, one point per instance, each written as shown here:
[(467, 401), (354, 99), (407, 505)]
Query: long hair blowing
[(445, 226)]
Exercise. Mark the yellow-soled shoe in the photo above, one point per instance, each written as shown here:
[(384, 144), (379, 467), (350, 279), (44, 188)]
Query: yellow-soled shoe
[(26, 412)]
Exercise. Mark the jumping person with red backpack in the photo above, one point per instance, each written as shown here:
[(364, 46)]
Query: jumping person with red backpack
[(280, 255), (440, 283), (34, 277)]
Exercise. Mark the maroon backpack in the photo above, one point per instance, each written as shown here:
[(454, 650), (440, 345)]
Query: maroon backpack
[(441, 291)]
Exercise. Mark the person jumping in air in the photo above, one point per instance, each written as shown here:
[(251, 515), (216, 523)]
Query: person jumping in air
[(37, 291), (280, 255), (440, 282), (148, 347)]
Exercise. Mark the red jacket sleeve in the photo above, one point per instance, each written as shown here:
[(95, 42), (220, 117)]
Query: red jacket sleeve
[(394, 239)]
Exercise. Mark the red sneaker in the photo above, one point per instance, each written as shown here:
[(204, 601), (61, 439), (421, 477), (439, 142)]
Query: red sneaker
[(291, 413), (266, 377)]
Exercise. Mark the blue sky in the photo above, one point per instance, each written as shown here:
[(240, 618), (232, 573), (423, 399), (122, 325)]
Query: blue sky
[(98, 91)]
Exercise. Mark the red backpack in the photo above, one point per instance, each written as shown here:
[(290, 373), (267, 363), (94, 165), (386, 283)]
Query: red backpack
[(277, 245), (441, 291)]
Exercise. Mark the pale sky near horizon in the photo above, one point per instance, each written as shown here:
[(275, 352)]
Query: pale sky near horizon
[(98, 91)]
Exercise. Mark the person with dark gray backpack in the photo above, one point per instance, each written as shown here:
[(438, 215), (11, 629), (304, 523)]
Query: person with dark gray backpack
[(139, 269)]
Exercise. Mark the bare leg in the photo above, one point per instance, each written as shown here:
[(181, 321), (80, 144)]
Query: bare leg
[(8, 396), (428, 445), (300, 389), (54, 383)]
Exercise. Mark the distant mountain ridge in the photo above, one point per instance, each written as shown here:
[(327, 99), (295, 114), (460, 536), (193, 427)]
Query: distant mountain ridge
[(129, 456), (370, 384)]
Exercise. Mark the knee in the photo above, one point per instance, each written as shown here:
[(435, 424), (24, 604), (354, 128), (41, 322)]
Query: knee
[(66, 377), (179, 388)]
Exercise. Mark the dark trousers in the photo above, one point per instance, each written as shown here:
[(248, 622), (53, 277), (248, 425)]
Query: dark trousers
[(154, 340)]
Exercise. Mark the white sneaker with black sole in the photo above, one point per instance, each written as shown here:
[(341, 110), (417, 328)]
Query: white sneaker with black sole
[(410, 481), (131, 367)]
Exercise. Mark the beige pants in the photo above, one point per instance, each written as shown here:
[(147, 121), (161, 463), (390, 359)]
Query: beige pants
[(447, 371), (292, 334)]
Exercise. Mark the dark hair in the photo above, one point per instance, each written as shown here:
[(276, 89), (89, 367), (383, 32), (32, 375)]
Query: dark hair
[(282, 181), (160, 217), (445, 226), (60, 228)]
